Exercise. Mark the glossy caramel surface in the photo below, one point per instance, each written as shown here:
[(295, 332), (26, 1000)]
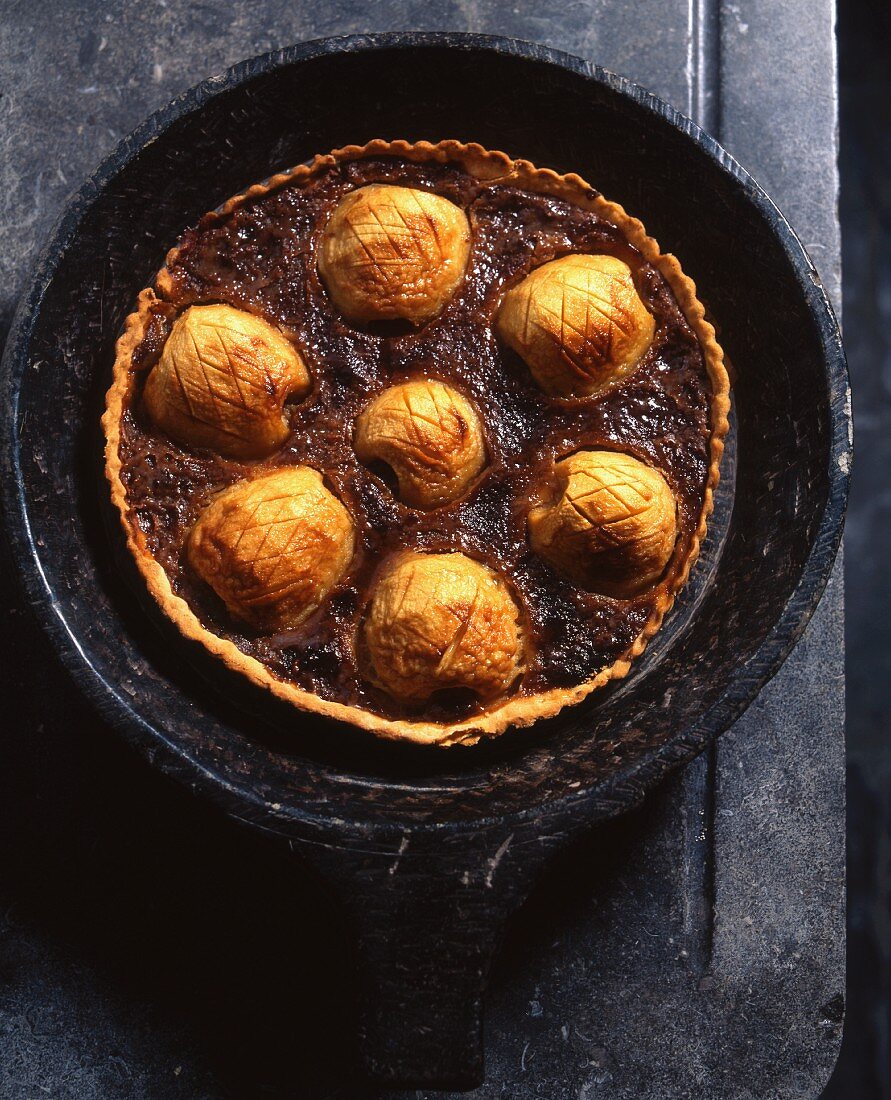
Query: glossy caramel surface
[(263, 258)]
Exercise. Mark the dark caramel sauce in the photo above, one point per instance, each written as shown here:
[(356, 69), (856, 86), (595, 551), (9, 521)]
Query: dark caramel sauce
[(262, 258)]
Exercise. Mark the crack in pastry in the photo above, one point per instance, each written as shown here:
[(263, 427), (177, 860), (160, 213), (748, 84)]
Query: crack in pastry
[(431, 437), (611, 525), (222, 381), (442, 621), (394, 253), (273, 547), (578, 323)]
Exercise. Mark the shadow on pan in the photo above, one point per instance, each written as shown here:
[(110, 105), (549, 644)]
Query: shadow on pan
[(409, 839)]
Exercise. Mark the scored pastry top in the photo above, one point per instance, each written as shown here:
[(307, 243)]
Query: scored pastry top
[(272, 547), (578, 323), (393, 253), (610, 525), (222, 380), (441, 621), (429, 435)]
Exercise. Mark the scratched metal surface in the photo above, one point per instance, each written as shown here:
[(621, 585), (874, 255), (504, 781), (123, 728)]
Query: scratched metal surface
[(694, 949)]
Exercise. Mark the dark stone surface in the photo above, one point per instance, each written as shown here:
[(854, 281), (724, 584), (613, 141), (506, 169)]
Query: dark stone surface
[(864, 1067), (574, 1018)]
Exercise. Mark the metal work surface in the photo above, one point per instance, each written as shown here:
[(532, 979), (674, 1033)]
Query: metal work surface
[(693, 949)]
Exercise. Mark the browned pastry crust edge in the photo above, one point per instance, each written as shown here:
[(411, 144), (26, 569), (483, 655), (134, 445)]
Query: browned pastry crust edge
[(489, 167)]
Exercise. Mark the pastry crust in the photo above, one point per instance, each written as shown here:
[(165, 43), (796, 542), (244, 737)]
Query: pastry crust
[(489, 167)]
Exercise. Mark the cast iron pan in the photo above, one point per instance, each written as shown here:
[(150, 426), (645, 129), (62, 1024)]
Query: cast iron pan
[(428, 851)]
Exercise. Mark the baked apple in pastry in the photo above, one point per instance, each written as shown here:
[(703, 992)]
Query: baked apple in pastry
[(394, 253), (611, 524), (222, 380), (273, 547), (442, 621), (578, 323), (429, 435)]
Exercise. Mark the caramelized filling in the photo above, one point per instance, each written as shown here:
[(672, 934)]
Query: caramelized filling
[(263, 258)]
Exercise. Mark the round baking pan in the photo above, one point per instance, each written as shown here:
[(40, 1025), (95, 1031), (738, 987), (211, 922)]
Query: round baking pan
[(429, 851)]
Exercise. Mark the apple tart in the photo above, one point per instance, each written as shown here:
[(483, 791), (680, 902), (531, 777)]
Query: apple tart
[(418, 437)]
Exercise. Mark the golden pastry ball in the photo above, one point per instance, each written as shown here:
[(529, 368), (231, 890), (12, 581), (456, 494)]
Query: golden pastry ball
[(393, 253), (222, 381), (430, 436), (440, 621), (273, 547), (611, 523), (578, 323)]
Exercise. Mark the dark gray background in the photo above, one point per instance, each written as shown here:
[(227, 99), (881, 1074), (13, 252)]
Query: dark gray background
[(149, 948), (864, 1068)]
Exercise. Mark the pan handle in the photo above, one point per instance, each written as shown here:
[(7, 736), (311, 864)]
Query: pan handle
[(422, 974), (427, 922)]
